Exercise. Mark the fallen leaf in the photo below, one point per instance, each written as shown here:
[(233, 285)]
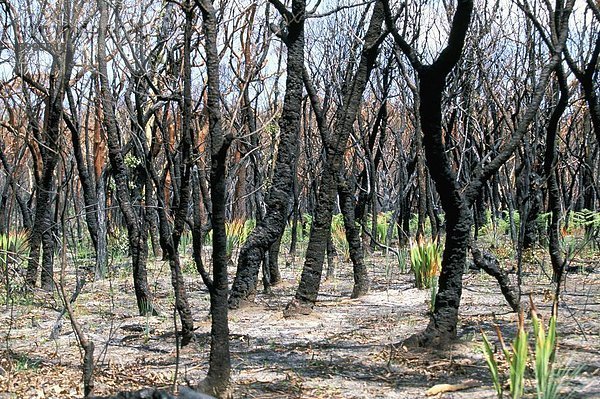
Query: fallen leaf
[(441, 388)]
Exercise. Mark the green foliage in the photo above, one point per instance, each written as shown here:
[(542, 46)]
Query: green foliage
[(499, 224), (131, 161), (118, 243), (249, 226), (185, 241), (545, 345), (586, 218), (425, 260), (14, 246), (403, 259), (433, 291), (302, 233), (234, 231), (488, 352), (383, 223), (547, 378), (338, 235), (237, 232), (517, 359), (23, 363)]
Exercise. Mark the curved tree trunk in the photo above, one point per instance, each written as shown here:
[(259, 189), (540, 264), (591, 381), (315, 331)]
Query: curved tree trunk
[(136, 224), (218, 379), (308, 289), (361, 278), (271, 227), (41, 233), (554, 198), (457, 201)]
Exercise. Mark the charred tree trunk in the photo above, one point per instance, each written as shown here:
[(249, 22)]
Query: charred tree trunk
[(218, 379), (170, 238), (274, 273), (136, 224), (489, 264), (308, 289), (586, 76), (101, 252), (41, 233), (456, 200), (89, 192), (554, 197), (21, 200), (331, 254), (271, 227), (361, 278)]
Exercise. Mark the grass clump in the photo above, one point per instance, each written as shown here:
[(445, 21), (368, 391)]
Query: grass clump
[(518, 356), (425, 261)]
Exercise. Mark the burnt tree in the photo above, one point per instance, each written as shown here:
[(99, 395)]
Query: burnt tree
[(135, 220), (345, 115), (457, 199), (270, 228)]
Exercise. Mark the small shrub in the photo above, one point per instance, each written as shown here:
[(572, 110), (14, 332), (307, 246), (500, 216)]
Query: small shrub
[(234, 231), (13, 249), (425, 260), (118, 243), (547, 378), (338, 235)]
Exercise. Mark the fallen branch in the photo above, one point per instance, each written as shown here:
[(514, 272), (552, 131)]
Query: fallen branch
[(489, 264)]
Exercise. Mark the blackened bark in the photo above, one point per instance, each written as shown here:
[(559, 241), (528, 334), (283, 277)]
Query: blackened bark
[(274, 273), (422, 195), (271, 227), (218, 379), (331, 253), (442, 325), (532, 229), (455, 200), (308, 289), (48, 247), (101, 251), (152, 215), (21, 200), (136, 226), (361, 278), (171, 241), (151, 393), (89, 192), (585, 76), (554, 197), (41, 234), (295, 214), (489, 264)]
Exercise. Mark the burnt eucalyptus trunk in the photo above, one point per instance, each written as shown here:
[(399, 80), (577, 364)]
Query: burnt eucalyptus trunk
[(218, 379), (271, 227), (171, 239), (136, 223), (554, 197), (308, 289), (587, 75), (361, 277), (41, 232), (90, 197), (456, 200)]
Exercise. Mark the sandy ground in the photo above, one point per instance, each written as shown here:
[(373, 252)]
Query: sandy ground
[(344, 349)]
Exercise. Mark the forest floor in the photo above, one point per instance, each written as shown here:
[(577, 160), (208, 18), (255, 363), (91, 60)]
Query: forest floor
[(347, 348)]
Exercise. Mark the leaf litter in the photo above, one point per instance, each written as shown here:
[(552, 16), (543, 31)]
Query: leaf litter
[(347, 348)]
